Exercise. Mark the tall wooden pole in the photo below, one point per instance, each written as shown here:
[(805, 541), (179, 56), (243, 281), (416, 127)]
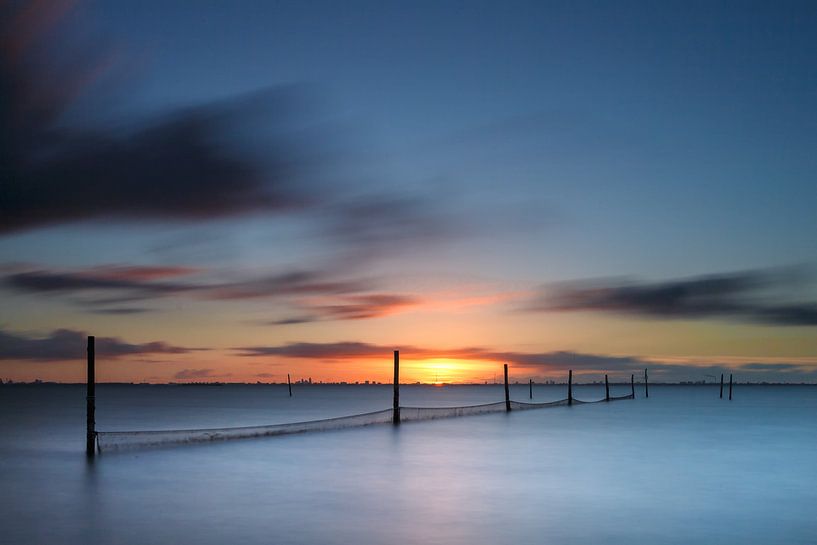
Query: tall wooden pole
[(90, 401), (646, 385), (570, 387), (396, 402), (632, 386), (721, 385), (730, 386), (530, 396), (507, 391), (289, 385), (606, 389)]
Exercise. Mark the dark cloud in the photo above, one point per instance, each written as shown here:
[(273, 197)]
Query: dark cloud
[(176, 167), (795, 315), (66, 344), (141, 286), (186, 374), (770, 366), (257, 154), (753, 296), (301, 282), (120, 311), (93, 279), (292, 320)]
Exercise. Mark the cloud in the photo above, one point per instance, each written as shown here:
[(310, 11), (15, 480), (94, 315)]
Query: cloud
[(120, 311), (262, 154), (542, 363), (352, 350), (374, 224), (92, 279), (292, 320), (175, 169), (186, 165), (342, 350), (367, 306), (66, 344), (354, 307), (143, 285), (751, 296), (100, 287), (299, 282), (186, 374), (770, 366)]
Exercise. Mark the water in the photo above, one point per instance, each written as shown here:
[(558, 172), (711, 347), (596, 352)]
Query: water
[(680, 467)]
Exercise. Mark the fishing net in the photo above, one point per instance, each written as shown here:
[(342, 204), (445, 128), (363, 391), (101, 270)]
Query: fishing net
[(124, 440), (409, 414), (619, 398)]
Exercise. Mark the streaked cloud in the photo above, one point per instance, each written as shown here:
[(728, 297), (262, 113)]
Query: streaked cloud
[(764, 297), (316, 295), (187, 374), (354, 307), (541, 363), (67, 344)]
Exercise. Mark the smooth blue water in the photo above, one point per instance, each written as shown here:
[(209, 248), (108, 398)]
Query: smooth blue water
[(681, 467)]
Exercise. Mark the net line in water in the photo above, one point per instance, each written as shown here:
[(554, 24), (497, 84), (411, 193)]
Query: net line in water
[(122, 440), (125, 440)]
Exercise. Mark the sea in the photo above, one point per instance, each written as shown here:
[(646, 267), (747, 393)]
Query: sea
[(680, 467)]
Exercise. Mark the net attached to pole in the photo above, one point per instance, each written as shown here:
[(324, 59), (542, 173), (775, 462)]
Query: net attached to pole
[(620, 398), (108, 441), (124, 440), (521, 406), (411, 414)]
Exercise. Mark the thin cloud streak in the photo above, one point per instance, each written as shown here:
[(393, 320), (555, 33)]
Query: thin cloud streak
[(188, 374), (748, 296), (67, 344), (355, 307), (138, 287), (340, 298)]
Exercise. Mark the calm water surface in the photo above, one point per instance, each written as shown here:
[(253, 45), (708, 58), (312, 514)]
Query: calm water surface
[(680, 467)]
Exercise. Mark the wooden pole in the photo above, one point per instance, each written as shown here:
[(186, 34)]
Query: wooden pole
[(632, 386), (289, 385), (606, 389), (396, 402), (531, 389), (570, 387), (90, 401), (721, 385), (646, 385), (730, 386), (507, 391)]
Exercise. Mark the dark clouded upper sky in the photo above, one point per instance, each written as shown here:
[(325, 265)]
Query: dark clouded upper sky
[(618, 182)]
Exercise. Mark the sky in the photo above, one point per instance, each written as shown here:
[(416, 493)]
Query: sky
[(237, 191)]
